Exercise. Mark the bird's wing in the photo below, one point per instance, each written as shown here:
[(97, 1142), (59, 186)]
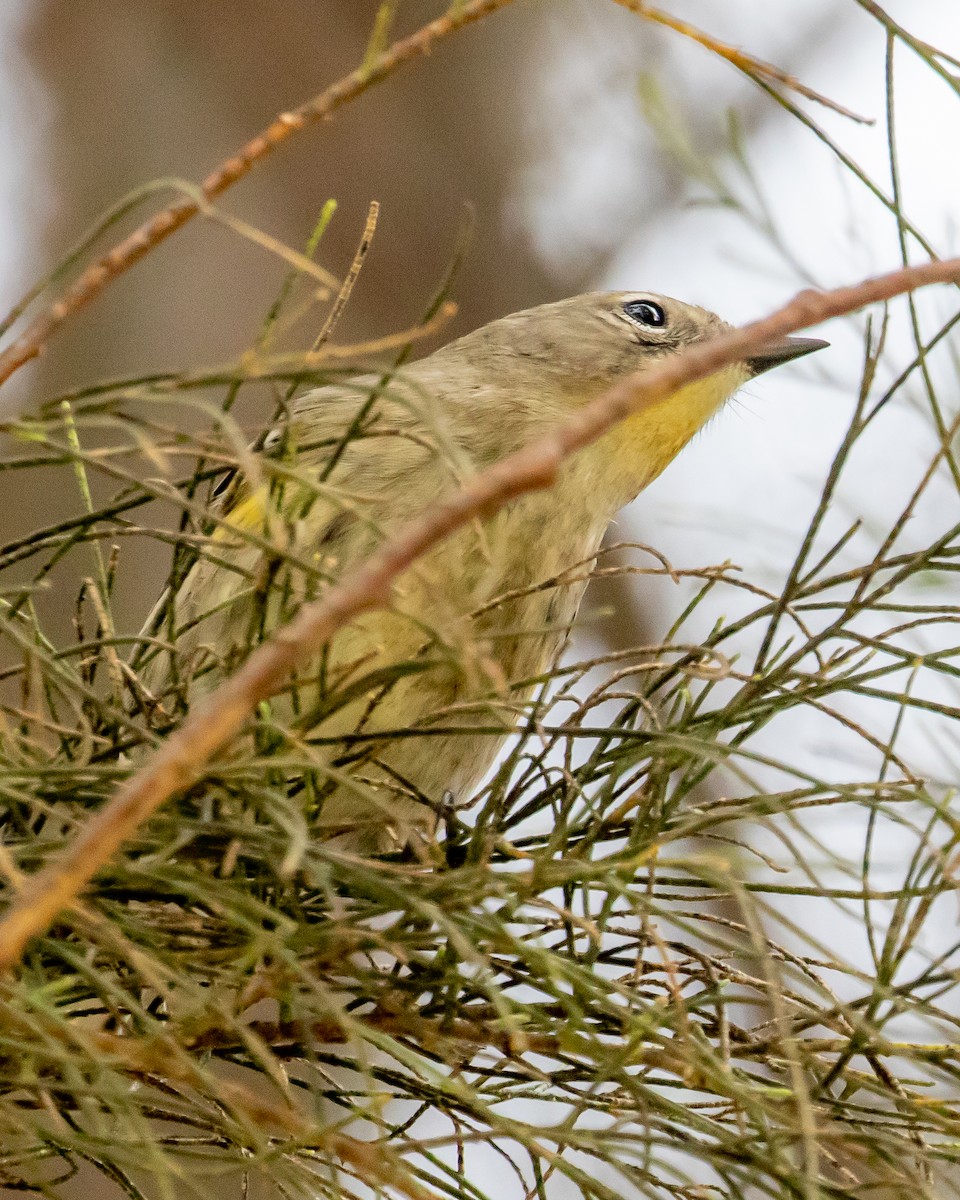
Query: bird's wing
[(350, 463)]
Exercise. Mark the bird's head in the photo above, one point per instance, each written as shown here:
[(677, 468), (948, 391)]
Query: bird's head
[(561, 356)]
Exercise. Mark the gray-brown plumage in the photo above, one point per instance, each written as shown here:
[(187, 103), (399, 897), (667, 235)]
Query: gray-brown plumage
[(471, 628)]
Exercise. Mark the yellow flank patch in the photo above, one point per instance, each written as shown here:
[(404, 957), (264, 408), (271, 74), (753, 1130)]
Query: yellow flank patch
[(249, 513)]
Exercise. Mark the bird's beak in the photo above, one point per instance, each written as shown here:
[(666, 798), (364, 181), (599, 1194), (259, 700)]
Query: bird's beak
[(783, 351)]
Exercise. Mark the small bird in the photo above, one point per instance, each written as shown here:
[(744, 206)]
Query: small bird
[(406, 709)]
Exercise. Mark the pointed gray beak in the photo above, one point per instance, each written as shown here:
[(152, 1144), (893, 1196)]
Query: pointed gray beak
[(783, 351)]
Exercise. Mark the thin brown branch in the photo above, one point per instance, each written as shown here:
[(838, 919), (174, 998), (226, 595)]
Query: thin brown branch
[(346, 288), (253, 365), (131, 249), (210, 725), (449, 1038), (744, 62)]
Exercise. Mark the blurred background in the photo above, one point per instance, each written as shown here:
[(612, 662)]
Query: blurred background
[(595, 150)]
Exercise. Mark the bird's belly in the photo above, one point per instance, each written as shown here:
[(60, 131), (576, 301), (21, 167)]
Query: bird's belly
[(488, 616)]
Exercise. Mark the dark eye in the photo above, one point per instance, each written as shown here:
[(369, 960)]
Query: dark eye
[(645, 312)]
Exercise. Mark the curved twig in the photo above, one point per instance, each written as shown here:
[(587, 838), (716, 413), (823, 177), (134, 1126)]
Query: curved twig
[(129, 251)]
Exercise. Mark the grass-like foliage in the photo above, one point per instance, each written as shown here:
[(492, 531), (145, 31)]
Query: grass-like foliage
[(667, 952)]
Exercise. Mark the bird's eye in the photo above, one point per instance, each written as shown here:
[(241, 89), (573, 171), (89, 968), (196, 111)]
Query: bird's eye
[(645, 312)]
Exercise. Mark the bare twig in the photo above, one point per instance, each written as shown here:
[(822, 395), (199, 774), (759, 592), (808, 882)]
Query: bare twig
[(134, 247), (744, 62), (346, 288)]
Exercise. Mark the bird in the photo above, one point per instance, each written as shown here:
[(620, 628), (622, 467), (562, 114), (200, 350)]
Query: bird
[(405, 711)]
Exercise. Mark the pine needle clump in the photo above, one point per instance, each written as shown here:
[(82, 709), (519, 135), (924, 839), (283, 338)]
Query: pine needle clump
[(619, 966), (694, 938)]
